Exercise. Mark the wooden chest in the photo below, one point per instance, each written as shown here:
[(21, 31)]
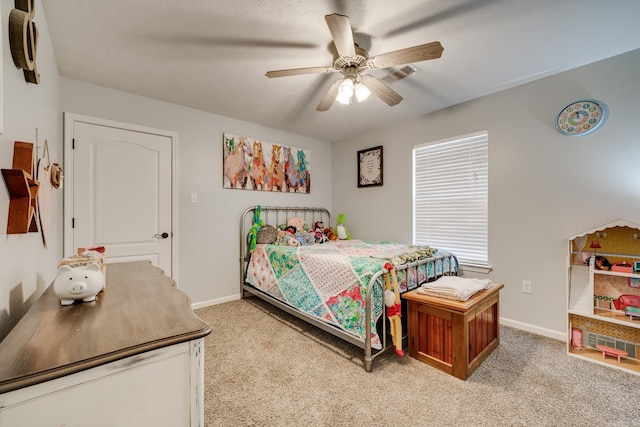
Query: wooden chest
[(454, 336)]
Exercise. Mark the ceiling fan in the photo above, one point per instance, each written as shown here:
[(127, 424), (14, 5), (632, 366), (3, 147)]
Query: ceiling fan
[(351, 60)]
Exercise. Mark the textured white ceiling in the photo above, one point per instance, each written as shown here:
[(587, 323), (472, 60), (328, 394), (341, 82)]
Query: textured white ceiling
[(212, 55)]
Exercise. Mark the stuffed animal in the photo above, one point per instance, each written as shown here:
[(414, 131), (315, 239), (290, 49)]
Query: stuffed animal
[(341, 228), (286, 238), (298, 223), (394, 311), (320, 237), (253, 233), (266, 234), (305, 238), (318, 230), (331, 235), (82, 283)]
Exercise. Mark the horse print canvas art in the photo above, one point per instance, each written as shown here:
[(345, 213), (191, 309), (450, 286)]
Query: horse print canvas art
[(251, 164)]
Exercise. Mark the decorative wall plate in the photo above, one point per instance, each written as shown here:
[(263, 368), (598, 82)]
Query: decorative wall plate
[(581, 117)]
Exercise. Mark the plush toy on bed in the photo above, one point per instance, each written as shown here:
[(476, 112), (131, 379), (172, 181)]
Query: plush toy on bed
[(341, 228), (253, 233), (299, 229), (266, 234), (331, 235), (305, 238), (318, 231), (286, 238), (298, 223)]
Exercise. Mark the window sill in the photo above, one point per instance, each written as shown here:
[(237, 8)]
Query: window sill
[(476, 268)]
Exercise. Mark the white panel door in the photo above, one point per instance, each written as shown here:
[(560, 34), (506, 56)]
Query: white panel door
[(122, 193)]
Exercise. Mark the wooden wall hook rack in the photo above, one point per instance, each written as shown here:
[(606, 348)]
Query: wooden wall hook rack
[(23, 189)]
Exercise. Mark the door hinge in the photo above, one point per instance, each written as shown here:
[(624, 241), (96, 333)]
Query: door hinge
[(73, 223), (73, 143)]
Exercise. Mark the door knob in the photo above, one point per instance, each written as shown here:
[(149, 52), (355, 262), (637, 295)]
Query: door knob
[(163, 235)]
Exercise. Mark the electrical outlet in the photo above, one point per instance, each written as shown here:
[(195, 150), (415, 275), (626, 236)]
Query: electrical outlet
[(194, 197), (526, 286)]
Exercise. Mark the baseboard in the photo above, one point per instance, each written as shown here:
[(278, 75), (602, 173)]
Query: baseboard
[(217, 301), (561, 336)]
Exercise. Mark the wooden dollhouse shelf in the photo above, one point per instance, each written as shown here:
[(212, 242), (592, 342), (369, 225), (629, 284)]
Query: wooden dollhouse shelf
[(617, 273), (608, 316), (22, 189)]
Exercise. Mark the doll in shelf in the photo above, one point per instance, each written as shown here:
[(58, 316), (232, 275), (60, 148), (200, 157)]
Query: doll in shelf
[(601, 263)]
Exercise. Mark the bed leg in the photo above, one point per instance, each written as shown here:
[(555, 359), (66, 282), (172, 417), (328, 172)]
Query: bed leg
[(368, 363)]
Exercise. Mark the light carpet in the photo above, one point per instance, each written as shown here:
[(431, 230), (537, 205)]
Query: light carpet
[(264, 367)]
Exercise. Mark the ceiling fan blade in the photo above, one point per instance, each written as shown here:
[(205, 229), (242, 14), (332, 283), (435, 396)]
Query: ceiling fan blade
[(340, 28), (381, 90), (298, 71), (418, 53), (329, 97)]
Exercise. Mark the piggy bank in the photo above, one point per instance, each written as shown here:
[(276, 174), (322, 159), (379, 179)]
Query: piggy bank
[(81, 283)]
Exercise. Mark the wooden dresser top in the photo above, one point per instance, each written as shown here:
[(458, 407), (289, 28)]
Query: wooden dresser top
[(140, 310)]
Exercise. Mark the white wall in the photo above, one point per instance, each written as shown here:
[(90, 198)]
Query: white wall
[(542, 186), (208, 264), (208, 235), (26, 267)]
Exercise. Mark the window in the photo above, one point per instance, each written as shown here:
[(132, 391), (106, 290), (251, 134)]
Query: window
[(450, 193)]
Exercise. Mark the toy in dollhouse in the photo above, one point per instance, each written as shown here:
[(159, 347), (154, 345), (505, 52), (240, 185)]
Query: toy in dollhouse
[(601, 263), (632, 312)]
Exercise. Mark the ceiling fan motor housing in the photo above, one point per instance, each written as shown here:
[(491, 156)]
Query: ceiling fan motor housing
[(344, 62)]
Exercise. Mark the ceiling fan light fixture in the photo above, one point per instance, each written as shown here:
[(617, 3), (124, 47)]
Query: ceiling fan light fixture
[(343, 99), (362, 92), (345, 92)]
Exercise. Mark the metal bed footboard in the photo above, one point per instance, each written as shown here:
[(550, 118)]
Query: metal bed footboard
[(276, 215), (369, 356)]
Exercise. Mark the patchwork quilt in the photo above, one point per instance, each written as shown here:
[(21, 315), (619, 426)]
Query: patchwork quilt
[(329, 281)]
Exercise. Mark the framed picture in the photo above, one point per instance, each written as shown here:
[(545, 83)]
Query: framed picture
[(370, 167), (251, 164)]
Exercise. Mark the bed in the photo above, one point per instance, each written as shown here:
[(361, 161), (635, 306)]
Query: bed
[(335, 285)]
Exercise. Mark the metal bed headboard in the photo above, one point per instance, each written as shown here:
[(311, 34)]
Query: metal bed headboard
[(275, 215)]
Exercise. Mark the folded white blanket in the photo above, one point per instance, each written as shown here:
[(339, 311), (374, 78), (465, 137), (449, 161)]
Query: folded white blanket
[(454, 287)]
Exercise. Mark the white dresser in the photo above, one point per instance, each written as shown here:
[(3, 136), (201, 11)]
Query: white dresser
[(134, 357)]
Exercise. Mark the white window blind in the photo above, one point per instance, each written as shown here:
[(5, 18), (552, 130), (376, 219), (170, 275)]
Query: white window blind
[(450, 197)]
